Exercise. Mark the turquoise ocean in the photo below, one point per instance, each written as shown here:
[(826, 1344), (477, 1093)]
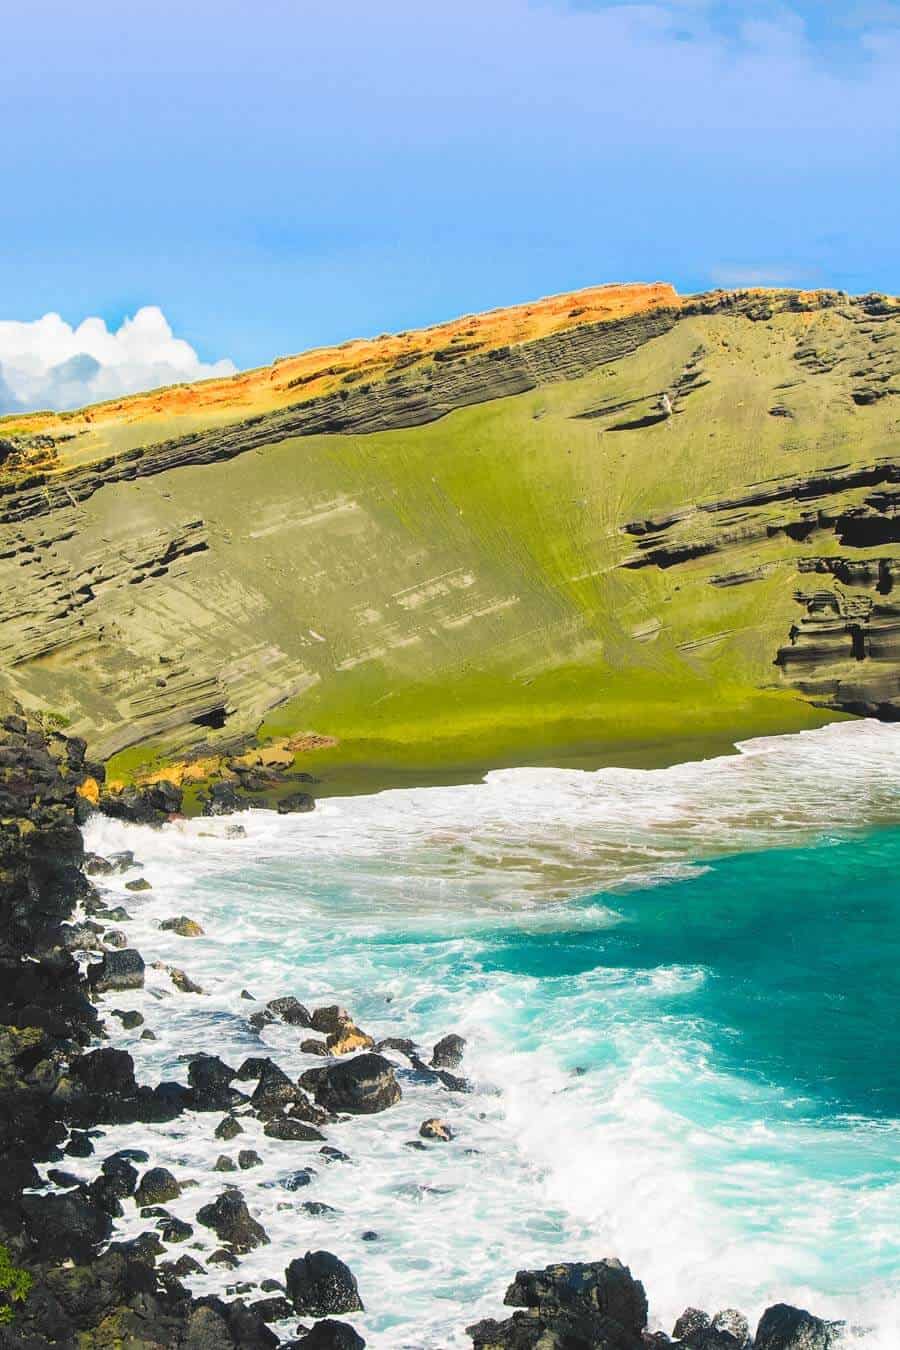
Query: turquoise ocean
[(680, 993)]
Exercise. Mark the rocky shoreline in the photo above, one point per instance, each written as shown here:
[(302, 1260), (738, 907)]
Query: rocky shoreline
[(65, 1280)]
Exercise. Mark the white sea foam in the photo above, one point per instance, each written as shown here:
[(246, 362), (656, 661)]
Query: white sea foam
[(703, 1182)]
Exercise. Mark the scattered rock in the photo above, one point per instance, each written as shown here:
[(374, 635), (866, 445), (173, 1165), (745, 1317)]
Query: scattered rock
[(448, 1052), (295, 1181), (182, 982), (118, 970), (287, 1128), (785, 1328), (228, 1128), (156, 1187), (221, 1257), (246, 994), (312, 1046), (210, 1078), (361, 1086), (289, 1010), (331, 1335), (247, 1158), (232, 1222), (318, 1208), (148, 804), (183, 926), (252, 1067), (732, 1323), (129, 1018), (79, 1145), (295, 802), (274, 1309), (224, 1164), (116, 939), (139, 884), (436, 1129), (320, 1284), (595, 1304), (174, 1230), (331, 1154), (148, 1035)]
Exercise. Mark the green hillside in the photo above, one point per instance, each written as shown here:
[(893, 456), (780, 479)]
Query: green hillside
[(582, 572)]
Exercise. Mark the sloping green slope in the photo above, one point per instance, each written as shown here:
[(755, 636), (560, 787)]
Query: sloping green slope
[(452, 596)]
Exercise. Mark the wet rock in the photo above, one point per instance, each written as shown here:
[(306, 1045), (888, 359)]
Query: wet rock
[(401, 1043), (121, 1175), (117, 970), (156, 1186), (288, 1128), (248, 1158), (139, 884), (785, 1328), (732, 1323), (318, 1209), (183, 982), (331, 1335), (274, 1309), (118, 914), (331, 1154), (148, 1035), (295, 802), (295, 1181), (116, 939), (224, 1164), (274, 1092), (174, 1230), (246, 994), (436, 1129), (185, 1265), (66, 1180), (228, 1128), (691, 1322), (330, 1019), (149, 804), (320, 1284), (104, 1071), (79, 1145), (289, 1010), (183, 926), (579, 1306), (252, 1067), (81, 937), (209, 1078), (448, 1052), (369, 1235), (65, 1227), (313, 1046), (129, 1018), (232, 1222), (221, 1257), (97, 866), (360, 1086)]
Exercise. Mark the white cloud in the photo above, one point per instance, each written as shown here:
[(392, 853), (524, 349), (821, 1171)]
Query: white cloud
[(49, 364)]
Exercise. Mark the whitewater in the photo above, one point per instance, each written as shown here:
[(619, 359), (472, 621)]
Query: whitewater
[(670, 981)]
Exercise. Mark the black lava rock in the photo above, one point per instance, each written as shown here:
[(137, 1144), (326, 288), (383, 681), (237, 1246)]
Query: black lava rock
[(320, 1284)]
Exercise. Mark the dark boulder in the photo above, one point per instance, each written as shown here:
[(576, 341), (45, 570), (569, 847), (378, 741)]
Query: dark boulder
[(291, 1129), (290, 1010), (785, 1328), (274, 1309), (578, 1306), (448, 1052), (232, 1222), (320, 1284), (295, 802), (331, 1335), (229, 1127), (117, 970), (155, 1187), (105, 1071), (360, 1086), (150, 804), (223, 799), (274, 1092), (209, 1078), (64, 1227)]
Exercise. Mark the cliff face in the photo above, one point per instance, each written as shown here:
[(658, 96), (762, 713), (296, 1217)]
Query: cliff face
[(603, 526)]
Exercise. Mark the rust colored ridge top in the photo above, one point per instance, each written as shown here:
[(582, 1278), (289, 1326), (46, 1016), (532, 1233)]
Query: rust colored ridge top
[(294, 379)]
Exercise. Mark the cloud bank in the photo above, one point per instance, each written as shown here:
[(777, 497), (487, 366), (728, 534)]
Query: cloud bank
[(49, 364)]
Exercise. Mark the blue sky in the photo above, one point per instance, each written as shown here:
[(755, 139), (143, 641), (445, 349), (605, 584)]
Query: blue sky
[(279, 174)]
